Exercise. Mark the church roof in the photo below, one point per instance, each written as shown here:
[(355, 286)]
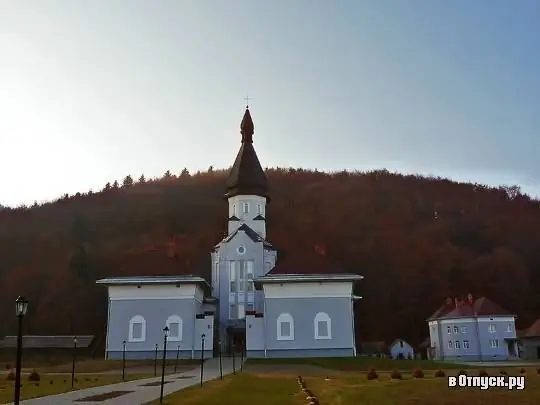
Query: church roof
[(253, 235), (247, 176), (458, 308)]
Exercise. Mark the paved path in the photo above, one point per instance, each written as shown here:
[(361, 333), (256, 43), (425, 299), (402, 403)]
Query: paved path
[(140, 395)]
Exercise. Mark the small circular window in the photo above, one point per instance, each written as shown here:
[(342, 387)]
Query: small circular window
[(241, 250)]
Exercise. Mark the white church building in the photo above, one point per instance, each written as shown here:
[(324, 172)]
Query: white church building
[(254, 302)]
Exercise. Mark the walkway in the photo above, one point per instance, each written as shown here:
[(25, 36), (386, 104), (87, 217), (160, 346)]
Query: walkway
[(136, 392)]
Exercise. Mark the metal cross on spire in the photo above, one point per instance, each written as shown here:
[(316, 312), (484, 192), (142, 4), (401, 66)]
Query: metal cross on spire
[(247, 101)]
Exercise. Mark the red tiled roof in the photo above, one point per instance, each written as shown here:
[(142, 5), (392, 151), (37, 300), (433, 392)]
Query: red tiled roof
[(480, 307), (533, 330)]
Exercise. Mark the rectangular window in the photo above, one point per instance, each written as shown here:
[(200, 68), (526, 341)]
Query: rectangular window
[(241, 311), (242, 278), (465, 344), (509, 328), (174, 330), (494, 343), (245, 208), (464, 329), (456, 329), (285, 329), (137, 333), (322, 327), (250, 306), (449, 329), (259, 209), (232, 276), (235, 210), (249, 275), (450, 345), (233, 311), (491, 328), (458, 344)]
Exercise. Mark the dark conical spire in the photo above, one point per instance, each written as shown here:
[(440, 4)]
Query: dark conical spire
[(247, 176)]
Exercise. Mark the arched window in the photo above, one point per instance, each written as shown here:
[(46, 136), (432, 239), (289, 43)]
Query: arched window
[(175, 325), (285, 327), (137, 329), (323, 326)]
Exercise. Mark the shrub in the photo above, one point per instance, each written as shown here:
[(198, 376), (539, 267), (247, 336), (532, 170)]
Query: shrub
[(418, 373), (483, 373), (522, 371), (396, 375), (462, 372), (538, 370), (10, 376), (439, 373), (51, 382), (503, 372), (372, 374), (34, 376)]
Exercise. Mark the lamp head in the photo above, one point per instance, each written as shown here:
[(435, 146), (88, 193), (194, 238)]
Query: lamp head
[(21, 306)]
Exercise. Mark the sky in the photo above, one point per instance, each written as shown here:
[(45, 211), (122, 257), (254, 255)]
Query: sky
[(91, 91)]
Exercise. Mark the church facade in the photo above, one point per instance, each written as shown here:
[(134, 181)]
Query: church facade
[(253, 302)]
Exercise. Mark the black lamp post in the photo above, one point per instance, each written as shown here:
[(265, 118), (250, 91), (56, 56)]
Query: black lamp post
[(165, 334), (73, 363), (21, 306), (233, 365), (176, 360), (155, 360), (220, 362), (202, 357), (123, 360), (242, 356)]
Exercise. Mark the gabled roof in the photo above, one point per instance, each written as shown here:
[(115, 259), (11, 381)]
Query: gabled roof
[(480, 307), (533, 330), (251, 234), (247, 176), (153, 280)]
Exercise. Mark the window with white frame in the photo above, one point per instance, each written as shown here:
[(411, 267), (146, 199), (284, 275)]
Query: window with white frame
[(250, 306), (242, 278), (235, 210), (464, 329), (322, 326), (260, 209), (285, 327), (449, 329), (509, 328), (465, 344), (137, 329), (233, 310), (492, 328), (458, 345), (232, 276), (245, 208), (450, 345), (249, 275), (493, 343), (456, 329), (175, 325)]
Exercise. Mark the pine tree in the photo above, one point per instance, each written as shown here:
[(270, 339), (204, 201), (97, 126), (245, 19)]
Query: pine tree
[(142, 179), (128, 181)]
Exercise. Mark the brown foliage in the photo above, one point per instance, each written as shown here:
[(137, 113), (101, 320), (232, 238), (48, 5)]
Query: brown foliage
[(416, 240)]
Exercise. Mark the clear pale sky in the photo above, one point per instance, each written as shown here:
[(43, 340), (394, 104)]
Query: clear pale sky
[(93, 90)]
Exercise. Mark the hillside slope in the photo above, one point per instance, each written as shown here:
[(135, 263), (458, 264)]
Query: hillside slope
[(416, 240)]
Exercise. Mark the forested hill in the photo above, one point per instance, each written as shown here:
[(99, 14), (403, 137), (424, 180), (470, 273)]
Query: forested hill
[(416, 240)]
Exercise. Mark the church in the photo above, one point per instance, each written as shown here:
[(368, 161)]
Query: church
[(254, 302)]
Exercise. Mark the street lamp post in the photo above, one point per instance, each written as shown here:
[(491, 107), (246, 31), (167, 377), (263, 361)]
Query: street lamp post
[(242, 347), (202, 357), (165, 334), (73, 363), (220, 362), (21, 306), (123, 360), (233, 364), (155, 360), (176, 360)]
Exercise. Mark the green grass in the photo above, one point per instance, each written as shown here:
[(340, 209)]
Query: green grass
[(361, 363), (57, 384), (242, 389), (351, 389)]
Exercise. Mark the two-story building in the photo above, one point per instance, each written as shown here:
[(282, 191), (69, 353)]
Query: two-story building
[(472, 330), (297, 308)]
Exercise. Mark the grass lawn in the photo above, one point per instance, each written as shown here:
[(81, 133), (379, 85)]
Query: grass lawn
[(99, 365), (360, 363), (352, 389), (56, 384)]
